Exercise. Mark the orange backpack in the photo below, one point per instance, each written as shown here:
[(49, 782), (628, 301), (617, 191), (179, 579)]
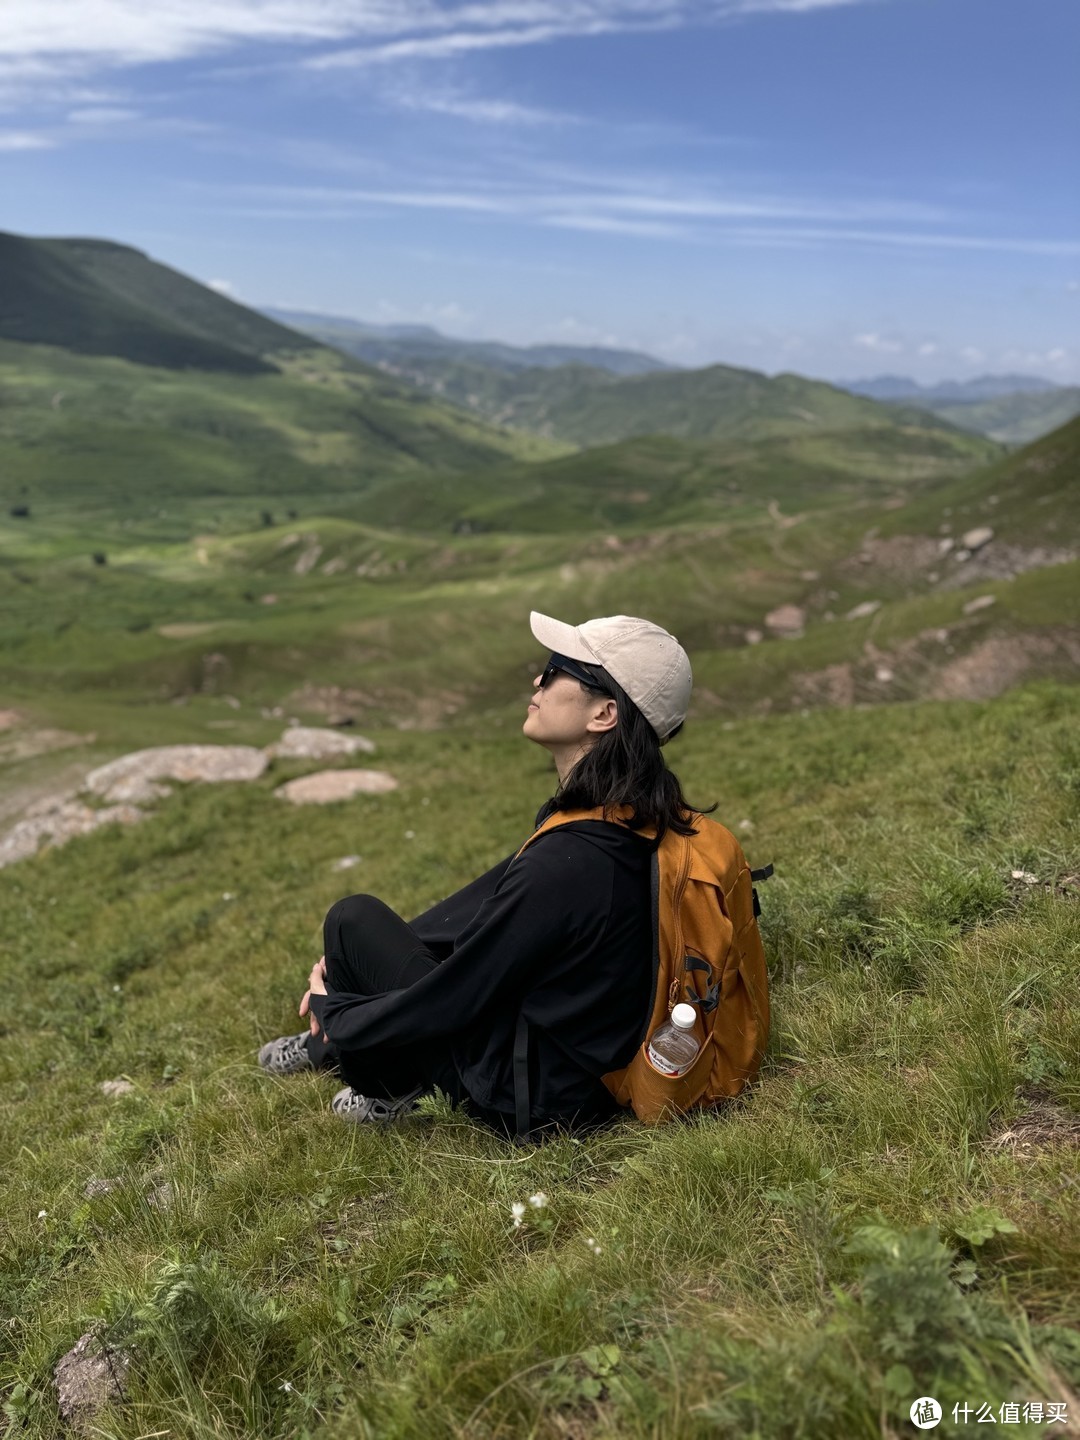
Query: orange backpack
[(707, 953)]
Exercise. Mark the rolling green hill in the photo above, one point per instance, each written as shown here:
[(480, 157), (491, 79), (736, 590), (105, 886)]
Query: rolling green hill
[(99, 298), (589, 404), (660, 481), (1030, 497), (1014, 419), (719, 402), (144, 446)]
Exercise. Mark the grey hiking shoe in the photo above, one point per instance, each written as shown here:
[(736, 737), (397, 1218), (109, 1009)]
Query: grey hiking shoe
[(362, 1109), (286, 1056)]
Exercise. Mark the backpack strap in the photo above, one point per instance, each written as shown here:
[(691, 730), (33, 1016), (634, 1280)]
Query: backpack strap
[(522, 1103), (520, 1070), (756, 876)]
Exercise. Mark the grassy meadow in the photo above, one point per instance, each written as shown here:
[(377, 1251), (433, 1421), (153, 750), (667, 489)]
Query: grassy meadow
[(891, 1212)]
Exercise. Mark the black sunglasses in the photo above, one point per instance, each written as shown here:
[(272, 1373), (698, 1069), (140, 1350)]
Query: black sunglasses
[(562, 664)]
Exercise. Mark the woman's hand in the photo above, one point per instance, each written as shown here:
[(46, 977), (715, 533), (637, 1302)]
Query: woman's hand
[(316, 986)]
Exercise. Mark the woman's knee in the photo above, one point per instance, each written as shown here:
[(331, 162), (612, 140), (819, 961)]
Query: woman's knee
[(352, 911)]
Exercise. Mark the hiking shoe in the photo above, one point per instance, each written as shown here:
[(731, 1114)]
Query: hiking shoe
[(286, 1056), (361, 1109)]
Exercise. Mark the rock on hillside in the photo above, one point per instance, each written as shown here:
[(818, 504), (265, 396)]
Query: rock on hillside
[(56, 820), (309, 742), (90, 1376), (326, 786), (133, 778)]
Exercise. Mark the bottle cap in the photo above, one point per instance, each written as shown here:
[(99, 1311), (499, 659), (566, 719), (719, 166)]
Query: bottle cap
[(683, 1017)]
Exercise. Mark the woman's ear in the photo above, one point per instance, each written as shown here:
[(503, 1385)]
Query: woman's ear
[(604, 717)]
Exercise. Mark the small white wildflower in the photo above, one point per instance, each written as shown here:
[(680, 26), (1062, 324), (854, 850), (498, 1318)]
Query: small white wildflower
[(538, 1201), (41, 1214), (287, 1386), (116, 989), (228, 895), (517, 1210), (410, 834), (593, 1245)]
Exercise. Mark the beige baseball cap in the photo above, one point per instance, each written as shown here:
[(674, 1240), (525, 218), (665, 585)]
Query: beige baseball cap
[(650, 665)]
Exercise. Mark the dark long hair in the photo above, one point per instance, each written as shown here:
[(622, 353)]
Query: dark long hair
[(625, 767)]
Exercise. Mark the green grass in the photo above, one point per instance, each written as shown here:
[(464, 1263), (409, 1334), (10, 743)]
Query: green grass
[(855, 1226)]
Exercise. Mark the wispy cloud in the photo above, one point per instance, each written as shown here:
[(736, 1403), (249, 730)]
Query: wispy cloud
[(25, 140), (685, 212), (613, 225), (102, 115), (421, 97), (460, 42), (62, 39), (919, 240)]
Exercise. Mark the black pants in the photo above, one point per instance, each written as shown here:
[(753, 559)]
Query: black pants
[(369, 950)]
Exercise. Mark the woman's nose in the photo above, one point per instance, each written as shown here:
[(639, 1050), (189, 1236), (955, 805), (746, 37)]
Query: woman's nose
[(536, 681)]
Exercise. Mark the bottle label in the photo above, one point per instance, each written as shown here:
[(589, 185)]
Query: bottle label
[(665, 1066)]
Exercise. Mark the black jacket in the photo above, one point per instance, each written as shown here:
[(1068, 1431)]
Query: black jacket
[(562, 935)]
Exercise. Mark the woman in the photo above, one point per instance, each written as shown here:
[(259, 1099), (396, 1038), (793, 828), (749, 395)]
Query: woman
[(536, 979)]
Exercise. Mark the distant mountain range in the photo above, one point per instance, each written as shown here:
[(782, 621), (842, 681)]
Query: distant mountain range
[(409, 345), (948, 392), (1015, 409), (586, 396)]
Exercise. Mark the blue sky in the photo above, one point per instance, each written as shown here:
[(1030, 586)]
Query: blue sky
[(836, 187)]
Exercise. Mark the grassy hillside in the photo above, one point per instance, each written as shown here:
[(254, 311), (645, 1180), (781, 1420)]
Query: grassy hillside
[(589, 406), (656, 481), (1015, 419), (174, 454), (889, 1214), (1031, 496), (315, 615), (99, 298)]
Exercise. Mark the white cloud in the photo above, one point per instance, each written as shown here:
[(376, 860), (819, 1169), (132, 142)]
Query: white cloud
[(102, 115), (880, 344), (570, 330), (919, 240), (446, 312), (223, 287), (613, 225), (479, 110), (928, 348), (600, 204), (25, 140), (653, 207), (973, 355), (461, 42), (62, 39)]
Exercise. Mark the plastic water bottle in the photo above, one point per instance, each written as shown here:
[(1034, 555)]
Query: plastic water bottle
[(673, 1048)]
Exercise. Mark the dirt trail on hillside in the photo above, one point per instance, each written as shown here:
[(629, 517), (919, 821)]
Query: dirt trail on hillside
[(17, 798)]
